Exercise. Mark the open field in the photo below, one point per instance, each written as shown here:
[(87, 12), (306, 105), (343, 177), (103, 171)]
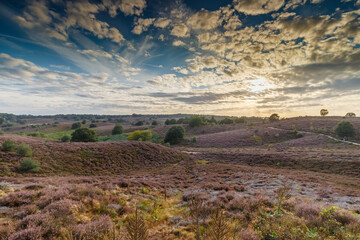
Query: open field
[(89, 190)]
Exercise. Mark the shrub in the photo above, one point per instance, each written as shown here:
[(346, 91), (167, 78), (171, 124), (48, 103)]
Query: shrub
[(154, 123), (175, 135), (226, 121), (2, 120), (24, 150), (84, 135), (93, 125), (76, 125), (66, 138), (350, 114), (8, 146), (299, 135), (345, 129), (29, 165), (83, 121), (274, 117), (196, 121), (139, 135), (139, 123), (118, 129), (170, 121)]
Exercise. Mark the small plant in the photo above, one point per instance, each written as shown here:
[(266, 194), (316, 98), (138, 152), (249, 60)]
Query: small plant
[(266, 133), (136, 227), (24, 150), (66, 138), (8, 146), (282, 194), (29, 165), (193, 140), (219, 227), (118, 129)]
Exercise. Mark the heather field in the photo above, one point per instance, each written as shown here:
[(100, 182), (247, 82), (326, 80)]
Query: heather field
[(252, 180)]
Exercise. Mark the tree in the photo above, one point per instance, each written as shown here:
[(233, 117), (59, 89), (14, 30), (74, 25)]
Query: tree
[(274, 117), (118, 129), (324, 112), (29, 165), (84, 135), (175, 135), (24, 150), (93, 125), (170, 121), (196, 121), (8, 146), (350, 114), (83, 121), (2, 120), (345, 129), (154, 123), (76, 125)]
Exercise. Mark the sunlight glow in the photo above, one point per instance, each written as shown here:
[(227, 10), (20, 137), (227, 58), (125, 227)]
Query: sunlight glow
[(259, 85)]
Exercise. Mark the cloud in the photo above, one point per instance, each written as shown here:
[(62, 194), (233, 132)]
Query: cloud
[(162, 22), (80, 14), (128, 7), (142, 24), (204, 20), (177, 43), (180, 30), (95, 53), (256, 7)]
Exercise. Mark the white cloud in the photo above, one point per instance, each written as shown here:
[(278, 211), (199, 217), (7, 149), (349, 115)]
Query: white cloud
[(204, 20), (256, 7), (177, 43), (128, 7), (162, 22), (96, 53), (142, 24), (180, 30)]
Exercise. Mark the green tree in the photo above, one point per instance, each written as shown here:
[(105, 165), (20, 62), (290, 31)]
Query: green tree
[(175, 135), (76, 125), (345, 129), (93, 125), (196, 121), (139, 123), (24, 150), (154, 123), (83, 121), (118, 129), (84, 135), (29, 165), (274, 117), (8, 146), (2, 120), (226, 121)]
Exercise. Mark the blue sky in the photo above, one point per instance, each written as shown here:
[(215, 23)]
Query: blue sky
[(234, 57)]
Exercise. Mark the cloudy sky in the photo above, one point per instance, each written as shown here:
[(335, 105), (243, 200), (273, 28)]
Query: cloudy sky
[(233, 57)]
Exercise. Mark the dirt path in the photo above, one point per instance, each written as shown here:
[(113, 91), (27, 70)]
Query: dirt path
[(321, 134)]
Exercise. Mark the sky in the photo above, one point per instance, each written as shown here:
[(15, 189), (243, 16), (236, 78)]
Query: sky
[(221, 57)]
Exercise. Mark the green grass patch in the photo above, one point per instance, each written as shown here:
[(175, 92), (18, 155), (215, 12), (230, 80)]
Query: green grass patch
[(114, 138), (59, 135)]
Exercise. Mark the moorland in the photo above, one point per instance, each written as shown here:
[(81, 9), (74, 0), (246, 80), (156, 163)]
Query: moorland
[(178, 177)]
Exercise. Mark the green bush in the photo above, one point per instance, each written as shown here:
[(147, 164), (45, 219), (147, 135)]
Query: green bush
[(118, 129), (93, 125), (345, 129), (196, 121), (66, 138), (175, 135), (84, 135), (29, 165), (139, 135), (226, 121), (24, 150), (76, 125), (154, 123), (8, 146), (139, 123)]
